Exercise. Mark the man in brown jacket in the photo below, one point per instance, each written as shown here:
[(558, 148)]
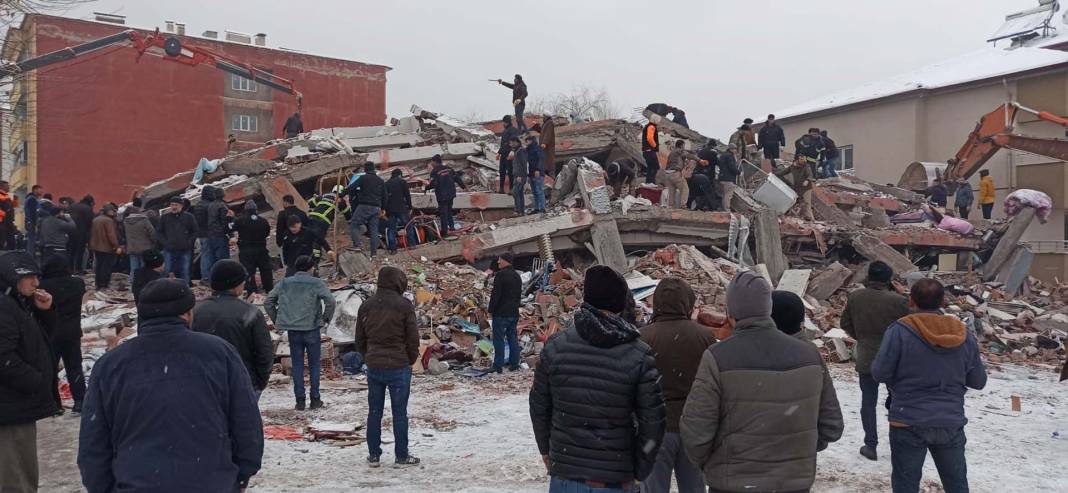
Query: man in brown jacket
[(104, 243), (388, 339), (678, 342), (867, 315), (762, 403), (801, 181)]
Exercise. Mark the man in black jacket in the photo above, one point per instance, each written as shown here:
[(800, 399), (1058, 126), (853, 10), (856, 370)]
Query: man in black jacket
[(728, 176), (702, 182), (398, 207), (832, 157), (504, 308), (302, 241), (28, 390), (82, 213), (252, 232), (809, 147), (293, 126), (370, 196), (200, 213), (505, 167), (771, 139), (67, 292), (650, 151), (177, 229), (219, 218), (281, 229), (443, 180), (519, 98), (237, 322), (170, 409), (608, 438)]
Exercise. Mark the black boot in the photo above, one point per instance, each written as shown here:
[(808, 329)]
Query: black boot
[(300, 405), (316, 403)]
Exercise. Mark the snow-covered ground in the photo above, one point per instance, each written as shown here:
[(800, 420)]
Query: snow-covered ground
[(474, 436), (483, 440)]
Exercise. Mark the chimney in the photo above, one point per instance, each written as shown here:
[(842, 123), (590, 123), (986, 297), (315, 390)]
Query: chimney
[(261, 39), (170, 26), (238, 37), (211, 34), (110, 18), (179, 28)]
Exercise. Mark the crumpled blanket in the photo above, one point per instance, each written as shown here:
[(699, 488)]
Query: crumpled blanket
[(1025, 197)]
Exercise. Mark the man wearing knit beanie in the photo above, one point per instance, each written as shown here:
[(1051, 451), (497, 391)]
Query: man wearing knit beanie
[(788, 312), (734, 417), (241, 324), (152, 262), (199, 391), (252, 232), (598, 379)]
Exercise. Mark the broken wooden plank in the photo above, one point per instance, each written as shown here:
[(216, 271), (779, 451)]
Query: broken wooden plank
[(875, 249), (828, 280)]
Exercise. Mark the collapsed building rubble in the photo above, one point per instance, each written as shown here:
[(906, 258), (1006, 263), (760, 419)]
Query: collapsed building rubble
[(1017, 318)]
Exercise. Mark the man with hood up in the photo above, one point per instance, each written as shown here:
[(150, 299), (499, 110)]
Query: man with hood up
[(928, 360), (387, 337), (67, 292), (762, 404), (443, 180), (595, 404), (252, 232), (28, 390), (678, 343)]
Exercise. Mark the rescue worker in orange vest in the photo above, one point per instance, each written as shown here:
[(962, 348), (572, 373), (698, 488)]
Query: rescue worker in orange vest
[(650, 148)]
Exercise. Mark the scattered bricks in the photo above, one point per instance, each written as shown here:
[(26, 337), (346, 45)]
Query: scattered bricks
[(665, 256), (423, 296), (571, 301), (557, 276), (545, 299)]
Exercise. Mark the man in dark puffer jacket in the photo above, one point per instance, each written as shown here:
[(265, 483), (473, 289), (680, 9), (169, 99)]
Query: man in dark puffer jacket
[(596, 405), (67, 292)]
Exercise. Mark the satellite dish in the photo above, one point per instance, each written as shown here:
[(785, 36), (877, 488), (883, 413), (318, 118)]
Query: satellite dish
[(172, 46)]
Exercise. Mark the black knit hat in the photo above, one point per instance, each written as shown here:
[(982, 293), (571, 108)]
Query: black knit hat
[(788, 311), (152, 259), (165, 298), (605, 289), (303, 263), (227, 275)]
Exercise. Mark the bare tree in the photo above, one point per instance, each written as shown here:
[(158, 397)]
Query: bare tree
[(581, 103)]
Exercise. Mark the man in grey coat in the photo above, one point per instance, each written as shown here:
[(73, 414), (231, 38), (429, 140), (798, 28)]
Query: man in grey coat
[(867, 315)]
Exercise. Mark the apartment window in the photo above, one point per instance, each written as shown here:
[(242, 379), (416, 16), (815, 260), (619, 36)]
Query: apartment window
[(21, 154), (239, 83), (245, 123), (846, 153)]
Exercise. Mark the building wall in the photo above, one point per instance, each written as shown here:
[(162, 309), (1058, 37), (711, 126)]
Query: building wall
[(108, 124)]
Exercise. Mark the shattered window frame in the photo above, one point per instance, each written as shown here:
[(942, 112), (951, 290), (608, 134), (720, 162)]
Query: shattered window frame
[(239, 83), (846, 153), (245, 123)]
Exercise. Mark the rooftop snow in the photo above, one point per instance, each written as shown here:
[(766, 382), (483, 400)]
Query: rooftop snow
[(977, 65)]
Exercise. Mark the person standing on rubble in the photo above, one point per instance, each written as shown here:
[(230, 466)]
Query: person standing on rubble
[(701, 182), (141, 237), (218, 217), (673, 179), (504, 309), (928, 360), (606, 440), (505, 153), (54, 231), (302, 306), (536, 173), (398, 211), (200, 213), (31, 207), (771, 139), (82, 213), (301, 241), (743, 137), (241, 324), (323, 210), (801, 178), (651, 150), (728, 176), (151, 269), (8, 203), (831, 157), (252, 232), (963, 198), (937, 194), (987, 193), (443, 180), (387, 337), (104, 243), (172, 397), (519, 175), (809, 148), (28, 387), (370, 196), (177, 230), (679, 343), (281, 229), (67, 292), (734, 424), (867, 315), (293, 126), (519, 99)]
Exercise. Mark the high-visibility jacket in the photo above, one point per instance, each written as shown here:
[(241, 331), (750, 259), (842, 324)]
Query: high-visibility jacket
[(326, 206), (650, 139), (809, 148), (7, 208)]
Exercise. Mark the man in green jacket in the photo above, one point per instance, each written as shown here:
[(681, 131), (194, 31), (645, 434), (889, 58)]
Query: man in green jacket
[(302, 305), (867, 315)]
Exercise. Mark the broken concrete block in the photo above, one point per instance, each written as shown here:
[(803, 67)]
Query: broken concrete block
[(827, 281), (875, 249)]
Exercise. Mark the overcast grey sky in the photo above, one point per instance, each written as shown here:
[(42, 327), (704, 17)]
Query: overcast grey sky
[(720, 60)]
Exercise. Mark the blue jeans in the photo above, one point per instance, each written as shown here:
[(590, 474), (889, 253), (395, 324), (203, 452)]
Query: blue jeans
[(908, 450), (205, 260), (829, 168), (558, 485), (218, 249), (869, 396), (301, 342), (394, 224), (365, 215), (178, 262), (672, 459), (537, 187), (399, 383), (518, 187), (136, 263), (505, 328)]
